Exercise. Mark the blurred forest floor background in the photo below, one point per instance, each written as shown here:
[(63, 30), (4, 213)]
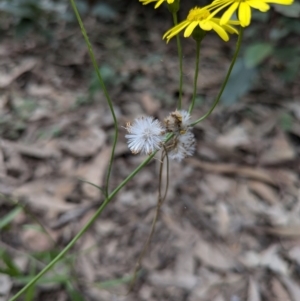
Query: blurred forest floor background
[(230, 227)]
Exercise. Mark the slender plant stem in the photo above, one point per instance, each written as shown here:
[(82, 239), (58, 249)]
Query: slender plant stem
[(237, 49), (82, 231), (195, 76), (93, 59), (160, 200), (175, 21)]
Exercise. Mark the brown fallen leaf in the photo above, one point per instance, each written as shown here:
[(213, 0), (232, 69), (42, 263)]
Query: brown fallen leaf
[(213, 255), (235, 137), (266, 193), (294, 254), (292, 287), (219, 298), (47, 195), (270, 176), (85, 146), (16, 166), (7, 78), (284, 231), (253, 290), (36, 241), (150, 104), (279, 291), (168, 278), (94, 172), (32, 150), (269, 258), (280, 150)]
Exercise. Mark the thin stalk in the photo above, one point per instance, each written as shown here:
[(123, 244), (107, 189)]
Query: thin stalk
[(160, 200), (237, 49), (195, 76), (179, 50), (86, 226), (82, 231), (109, 102)]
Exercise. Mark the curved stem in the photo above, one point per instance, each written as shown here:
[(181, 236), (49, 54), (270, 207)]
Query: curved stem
[(238, 46), (175, 21), (82, 231), (93, 59), (195, 76), (86, 226)]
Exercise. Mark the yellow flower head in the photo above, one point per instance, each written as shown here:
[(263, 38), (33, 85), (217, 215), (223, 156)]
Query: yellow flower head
[(203, 18), (159, 2), (244, 8)]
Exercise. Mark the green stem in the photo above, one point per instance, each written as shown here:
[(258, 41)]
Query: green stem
[(86, 226), (180, 62), (92, 56), (82, 231), (195, 76), (238, 46)]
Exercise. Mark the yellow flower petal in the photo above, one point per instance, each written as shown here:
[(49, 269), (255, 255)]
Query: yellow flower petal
[(170, 1), (206, 25), (220, 31), (244, 14), (188, 31), (283, 2), (230, 29), (204, 18), (175, 30), (227, 15), (263, 7), (158, 3)]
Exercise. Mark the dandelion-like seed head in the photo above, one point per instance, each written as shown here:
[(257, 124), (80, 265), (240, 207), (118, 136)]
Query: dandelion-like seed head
[(182, 146), (177, 122), (145, 135)]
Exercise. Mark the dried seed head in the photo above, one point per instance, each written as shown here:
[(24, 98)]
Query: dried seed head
[(177, 122), (145, 135)]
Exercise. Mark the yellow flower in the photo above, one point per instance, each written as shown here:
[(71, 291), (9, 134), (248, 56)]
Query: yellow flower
[(203, 18), (159, 2), (244, 8)]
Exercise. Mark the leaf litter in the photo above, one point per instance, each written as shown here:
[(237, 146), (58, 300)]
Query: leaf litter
[(229, 228)]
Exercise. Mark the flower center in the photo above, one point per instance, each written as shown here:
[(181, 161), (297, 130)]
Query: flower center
[(147, 134), (198, 14)]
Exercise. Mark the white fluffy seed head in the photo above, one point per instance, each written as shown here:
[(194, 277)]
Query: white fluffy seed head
[(177, 122), (145, 135), (182, 146)]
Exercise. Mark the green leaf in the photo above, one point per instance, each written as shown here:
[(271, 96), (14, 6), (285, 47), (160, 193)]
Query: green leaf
[(73, 293), (11, 269), (7, 219), (286, 121), (292, 11), (257, 53), (115, 282), (104, 12), (239, 83), (285, 53)]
